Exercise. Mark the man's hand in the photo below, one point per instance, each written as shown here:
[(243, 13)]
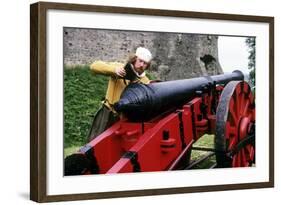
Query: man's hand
[(120, 71)]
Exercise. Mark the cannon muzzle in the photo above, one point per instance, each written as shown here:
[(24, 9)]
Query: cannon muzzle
[(141, 102)]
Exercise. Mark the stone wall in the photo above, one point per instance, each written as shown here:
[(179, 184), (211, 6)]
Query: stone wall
[(176, 55)]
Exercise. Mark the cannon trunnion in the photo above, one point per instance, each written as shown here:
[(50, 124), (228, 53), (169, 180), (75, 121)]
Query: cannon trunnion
[(164, 120)]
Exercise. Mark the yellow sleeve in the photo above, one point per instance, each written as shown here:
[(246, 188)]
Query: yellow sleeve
[(105, 68), (145, 80)]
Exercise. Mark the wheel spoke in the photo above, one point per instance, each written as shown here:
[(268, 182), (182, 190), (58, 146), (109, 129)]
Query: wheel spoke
[(243, 104), (234, 161), (230, 130), (232, 143), (251, 153), (245, 108), (233, 113), (237, 160), (237, 101), (243, 158), (247, 153)]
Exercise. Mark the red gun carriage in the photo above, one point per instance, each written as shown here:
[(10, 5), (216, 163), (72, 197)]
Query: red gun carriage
[(164, 120)]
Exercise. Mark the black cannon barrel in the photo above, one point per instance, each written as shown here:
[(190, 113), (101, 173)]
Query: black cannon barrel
[(141, 102)]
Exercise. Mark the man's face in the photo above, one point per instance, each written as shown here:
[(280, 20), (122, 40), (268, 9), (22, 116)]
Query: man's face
[(140, 66)]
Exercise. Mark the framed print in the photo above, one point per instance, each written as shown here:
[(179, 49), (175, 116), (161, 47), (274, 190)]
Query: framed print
[(134, 102)]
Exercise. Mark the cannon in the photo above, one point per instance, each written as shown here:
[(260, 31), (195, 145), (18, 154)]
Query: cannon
[(163, 121), (140, 102)]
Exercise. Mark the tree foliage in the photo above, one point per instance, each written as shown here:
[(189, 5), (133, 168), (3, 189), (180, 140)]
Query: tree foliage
[(251, 43)]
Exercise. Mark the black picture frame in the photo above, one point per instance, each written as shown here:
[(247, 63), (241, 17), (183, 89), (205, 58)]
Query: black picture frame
[(38, 100)]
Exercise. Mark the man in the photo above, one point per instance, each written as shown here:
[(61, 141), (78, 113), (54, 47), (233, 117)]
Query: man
[(120, 76)]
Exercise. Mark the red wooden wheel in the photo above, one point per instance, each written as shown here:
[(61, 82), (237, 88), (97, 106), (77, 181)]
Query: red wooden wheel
[(235, 126)]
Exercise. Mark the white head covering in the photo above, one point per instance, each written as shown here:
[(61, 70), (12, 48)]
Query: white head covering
[(143, 54)]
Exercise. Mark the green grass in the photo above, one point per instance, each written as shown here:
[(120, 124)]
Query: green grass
[(70, 150), (83, 92), (205, 141)]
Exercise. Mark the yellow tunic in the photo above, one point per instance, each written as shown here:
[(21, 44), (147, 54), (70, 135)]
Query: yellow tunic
[(116, 85)]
